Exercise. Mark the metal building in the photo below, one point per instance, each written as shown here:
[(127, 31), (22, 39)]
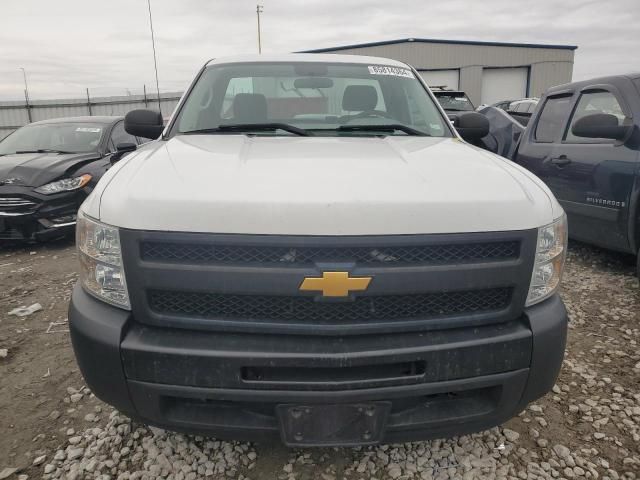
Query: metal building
[(487, 71)]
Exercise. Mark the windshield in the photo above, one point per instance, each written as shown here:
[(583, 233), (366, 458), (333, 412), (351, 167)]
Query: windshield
[(57, 137), (280, 98), (456, 101)]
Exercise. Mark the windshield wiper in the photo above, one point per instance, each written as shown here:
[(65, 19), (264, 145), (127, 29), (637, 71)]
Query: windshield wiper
[(44, 150), (252, 127), (382, 128)]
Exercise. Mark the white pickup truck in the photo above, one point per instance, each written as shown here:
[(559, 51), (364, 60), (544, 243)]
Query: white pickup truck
[(310, 251)]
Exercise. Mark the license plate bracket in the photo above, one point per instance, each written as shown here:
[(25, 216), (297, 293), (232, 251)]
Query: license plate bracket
[(333, 425)]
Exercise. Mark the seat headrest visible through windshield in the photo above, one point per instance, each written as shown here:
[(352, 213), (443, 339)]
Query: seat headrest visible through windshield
[(249, 108), (359, 98)]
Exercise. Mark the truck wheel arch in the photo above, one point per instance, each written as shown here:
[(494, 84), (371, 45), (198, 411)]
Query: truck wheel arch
[(634, 216), (634, 226)]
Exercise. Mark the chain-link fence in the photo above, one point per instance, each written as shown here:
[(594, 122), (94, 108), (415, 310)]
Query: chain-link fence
[(15, 114)]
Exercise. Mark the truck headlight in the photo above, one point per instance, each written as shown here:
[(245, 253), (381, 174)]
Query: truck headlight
[(551, 251), (64, 185), (101, 269)]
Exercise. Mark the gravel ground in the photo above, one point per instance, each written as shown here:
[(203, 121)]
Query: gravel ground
[(52, 427)]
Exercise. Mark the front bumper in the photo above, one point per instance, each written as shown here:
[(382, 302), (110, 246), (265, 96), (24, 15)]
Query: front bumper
[(40, 217), (230, 385)]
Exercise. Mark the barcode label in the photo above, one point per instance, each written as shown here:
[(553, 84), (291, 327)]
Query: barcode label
[(386, 70)]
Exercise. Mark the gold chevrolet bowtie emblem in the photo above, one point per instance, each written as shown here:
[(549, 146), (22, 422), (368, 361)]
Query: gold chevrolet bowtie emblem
[(335, 284)]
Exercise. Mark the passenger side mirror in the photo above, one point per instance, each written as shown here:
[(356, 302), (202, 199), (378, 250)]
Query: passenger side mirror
[(144, 123), (471, 126), (599, 125)]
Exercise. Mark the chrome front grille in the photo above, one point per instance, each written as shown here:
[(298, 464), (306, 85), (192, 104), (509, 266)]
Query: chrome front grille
[(16, 205)]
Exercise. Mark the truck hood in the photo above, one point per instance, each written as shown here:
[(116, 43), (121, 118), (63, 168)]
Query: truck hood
[(319, 186), (36, 169)]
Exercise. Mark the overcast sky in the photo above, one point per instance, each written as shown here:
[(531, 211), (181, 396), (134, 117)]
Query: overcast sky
[(69, 45)]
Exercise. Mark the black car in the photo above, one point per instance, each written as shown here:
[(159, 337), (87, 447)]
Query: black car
[(48, 168), (583, 141)]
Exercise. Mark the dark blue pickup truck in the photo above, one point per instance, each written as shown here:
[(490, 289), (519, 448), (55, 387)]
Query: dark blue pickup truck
[(583, 141)]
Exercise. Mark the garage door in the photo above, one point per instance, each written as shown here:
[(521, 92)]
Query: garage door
[(449, 78), (503, 84)]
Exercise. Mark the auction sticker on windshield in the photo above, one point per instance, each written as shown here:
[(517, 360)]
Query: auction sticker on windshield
[(386, 70), (88, 129)]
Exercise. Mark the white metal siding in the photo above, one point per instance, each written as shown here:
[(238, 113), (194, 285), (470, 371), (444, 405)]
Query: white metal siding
[(448, 78), (503, 84)]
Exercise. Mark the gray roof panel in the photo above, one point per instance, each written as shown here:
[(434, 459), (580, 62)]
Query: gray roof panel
[(435, 40)]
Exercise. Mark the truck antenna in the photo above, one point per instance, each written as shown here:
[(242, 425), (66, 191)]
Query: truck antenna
[(155, 62)]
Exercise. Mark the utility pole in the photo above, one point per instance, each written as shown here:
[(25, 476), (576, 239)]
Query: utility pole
[(155, 62), (259, 10), (89, 103), (26, 93)]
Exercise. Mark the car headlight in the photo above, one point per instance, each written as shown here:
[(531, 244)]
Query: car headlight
[(551, 251), (101, 269), (64, 185)]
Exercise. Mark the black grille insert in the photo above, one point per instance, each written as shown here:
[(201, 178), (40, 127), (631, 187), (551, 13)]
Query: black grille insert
[(306, 309), (207, 253)]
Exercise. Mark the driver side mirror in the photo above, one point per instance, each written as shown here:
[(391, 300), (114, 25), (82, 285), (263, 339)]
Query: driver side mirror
[(471, 126), (600, 125), (122, 149), (144, 123), (126, 147)]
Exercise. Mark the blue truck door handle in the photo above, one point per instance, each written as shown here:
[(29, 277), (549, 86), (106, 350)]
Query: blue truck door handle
[(561, 161)]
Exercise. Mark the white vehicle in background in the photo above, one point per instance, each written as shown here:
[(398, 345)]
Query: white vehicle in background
[(523, 109), (309, 251), (502, 105)]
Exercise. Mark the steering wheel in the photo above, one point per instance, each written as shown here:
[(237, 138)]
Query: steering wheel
[(372, 113)]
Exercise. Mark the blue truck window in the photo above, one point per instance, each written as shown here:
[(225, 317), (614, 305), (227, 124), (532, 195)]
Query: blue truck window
[(552, 118)]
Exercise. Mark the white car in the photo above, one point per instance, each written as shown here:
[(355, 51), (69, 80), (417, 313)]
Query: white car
[(310, 251)]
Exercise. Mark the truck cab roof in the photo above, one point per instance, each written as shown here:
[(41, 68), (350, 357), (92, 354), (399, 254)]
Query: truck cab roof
[(307, 57), (592, 81)]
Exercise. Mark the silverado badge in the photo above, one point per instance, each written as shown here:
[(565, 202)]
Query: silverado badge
[(335, 284)]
